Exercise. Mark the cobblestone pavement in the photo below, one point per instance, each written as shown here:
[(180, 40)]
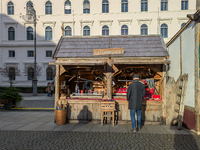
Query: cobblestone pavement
[(44, 140)]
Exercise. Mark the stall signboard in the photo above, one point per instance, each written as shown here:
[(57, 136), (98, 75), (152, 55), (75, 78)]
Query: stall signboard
[(108, 51)]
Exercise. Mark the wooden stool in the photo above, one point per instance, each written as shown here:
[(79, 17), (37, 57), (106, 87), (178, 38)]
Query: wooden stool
[(107, 106)]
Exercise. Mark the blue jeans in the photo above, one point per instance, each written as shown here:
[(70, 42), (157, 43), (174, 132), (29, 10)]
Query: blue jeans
[(132, 113)]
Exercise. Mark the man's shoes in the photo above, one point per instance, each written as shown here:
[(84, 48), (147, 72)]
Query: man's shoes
[(134, 130), (139, 128)]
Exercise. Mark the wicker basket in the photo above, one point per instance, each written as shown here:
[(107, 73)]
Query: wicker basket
[(61, 116)]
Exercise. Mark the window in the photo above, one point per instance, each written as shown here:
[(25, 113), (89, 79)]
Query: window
[(183, 24), (105, 6), (68, 31), (27, 5), (86, 31), (30, 73), (184, 4), (49, 73), (86, 7), (11, 34), (67, 7), (48, 53), (11, 73), (29, 32), (164, 5), (124, 5), (30, 54), (48, 33), (164, 30), (10, 8), (48, 8), (105, 30), (144, 29), (11, 53), (124, 30), (144, 5)]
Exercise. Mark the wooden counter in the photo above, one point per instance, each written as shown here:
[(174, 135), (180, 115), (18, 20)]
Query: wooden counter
[(90, 110)]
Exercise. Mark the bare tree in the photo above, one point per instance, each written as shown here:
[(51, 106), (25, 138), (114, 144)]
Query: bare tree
[(29, 71), (11, 72)]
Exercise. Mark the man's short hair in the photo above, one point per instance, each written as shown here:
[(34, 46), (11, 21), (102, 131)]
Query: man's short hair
[(136, 76)]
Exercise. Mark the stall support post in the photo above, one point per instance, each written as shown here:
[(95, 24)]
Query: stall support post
[(57, 83), (109, 78), (164, 97)]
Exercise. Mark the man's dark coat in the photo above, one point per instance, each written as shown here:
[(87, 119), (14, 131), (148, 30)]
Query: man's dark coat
[(135, 94)]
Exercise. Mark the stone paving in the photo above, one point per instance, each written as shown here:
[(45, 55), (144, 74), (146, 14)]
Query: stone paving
[(44, 140), (36, 130), (39, 101)]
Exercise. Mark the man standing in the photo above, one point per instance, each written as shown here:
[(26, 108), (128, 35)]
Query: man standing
[(135, 94)]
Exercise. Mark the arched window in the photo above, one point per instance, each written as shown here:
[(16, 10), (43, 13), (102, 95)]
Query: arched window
[(144, 5), (124, 5), (144, 29), (183, 24), (30, 73), (86, 7), (184, 4), (49, 73), (164, 5), (10, 8), (67, 7), (105, 30), (105, 6), (124, 30), (11, 73), (11, 34), (29, 33), (27, 5), (86, 31), (48, 7), (68, 31), (48, 33), (164, 30)]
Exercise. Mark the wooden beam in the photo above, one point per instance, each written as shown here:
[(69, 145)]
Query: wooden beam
[(164, 95), (62, 69), (159, 72), (109, 78), (57, 83), (142, 62), (78, 63), (115, 69)]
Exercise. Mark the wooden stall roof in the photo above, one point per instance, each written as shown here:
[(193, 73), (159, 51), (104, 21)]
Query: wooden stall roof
[(134, 46)]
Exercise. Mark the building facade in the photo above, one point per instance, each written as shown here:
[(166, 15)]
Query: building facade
[(78, 18)]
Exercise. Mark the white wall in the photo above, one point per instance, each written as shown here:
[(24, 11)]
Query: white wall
[(188, 64), (174, 55), (188, 51)]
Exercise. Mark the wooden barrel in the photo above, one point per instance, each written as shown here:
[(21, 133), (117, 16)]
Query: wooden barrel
[(61, 116)]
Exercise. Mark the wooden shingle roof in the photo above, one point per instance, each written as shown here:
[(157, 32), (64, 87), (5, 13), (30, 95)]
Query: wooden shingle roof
[(134, 46)]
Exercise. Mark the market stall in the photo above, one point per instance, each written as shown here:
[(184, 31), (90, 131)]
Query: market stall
[(95, 69)]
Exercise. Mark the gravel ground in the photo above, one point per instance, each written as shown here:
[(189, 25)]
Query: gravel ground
[(46, 140)]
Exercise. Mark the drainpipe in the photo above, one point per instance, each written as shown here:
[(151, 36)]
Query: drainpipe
[(167, 72)]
